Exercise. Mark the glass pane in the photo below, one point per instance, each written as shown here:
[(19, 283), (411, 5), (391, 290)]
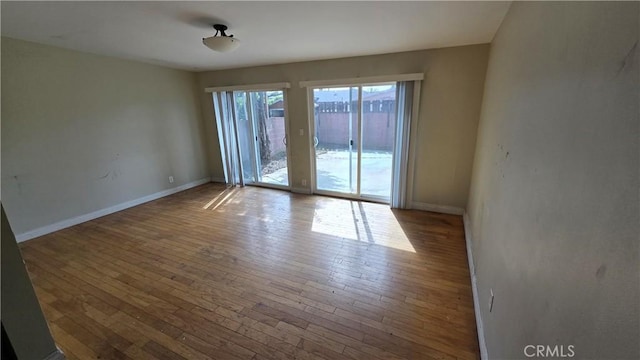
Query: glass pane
[(336, 124), (378, 129), (245, 134), (267, 110)]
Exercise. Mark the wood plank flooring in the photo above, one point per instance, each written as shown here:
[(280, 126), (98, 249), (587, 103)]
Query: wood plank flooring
[(251, 273)]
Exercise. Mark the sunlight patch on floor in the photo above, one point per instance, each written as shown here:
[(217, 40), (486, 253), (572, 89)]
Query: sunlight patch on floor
[(221, 199), (364, 222)]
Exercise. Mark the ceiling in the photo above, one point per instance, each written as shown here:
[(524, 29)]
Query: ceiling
[(170, 33)]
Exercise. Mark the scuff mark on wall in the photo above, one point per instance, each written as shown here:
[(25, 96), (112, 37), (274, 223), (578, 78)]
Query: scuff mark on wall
[(18, 184), (18, 181), (600, 273), (628, 58), (112, 174)]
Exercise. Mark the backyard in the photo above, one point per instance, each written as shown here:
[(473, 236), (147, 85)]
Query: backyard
[(332, 169)]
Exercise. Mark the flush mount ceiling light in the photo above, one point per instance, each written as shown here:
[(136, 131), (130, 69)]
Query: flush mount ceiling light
[(223, 42)]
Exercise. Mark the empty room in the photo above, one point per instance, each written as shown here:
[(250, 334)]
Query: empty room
[(320, 180)]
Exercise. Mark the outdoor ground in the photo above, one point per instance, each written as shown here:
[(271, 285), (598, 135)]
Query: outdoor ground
[(333, 172)]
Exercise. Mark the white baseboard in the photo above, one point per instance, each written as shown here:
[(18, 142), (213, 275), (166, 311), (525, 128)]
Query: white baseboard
[(445, 209), (298, 190), (100, 213), (474, 286), (56, 355)]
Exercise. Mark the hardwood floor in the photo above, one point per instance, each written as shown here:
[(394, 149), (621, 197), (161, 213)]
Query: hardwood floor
[(251, 273)]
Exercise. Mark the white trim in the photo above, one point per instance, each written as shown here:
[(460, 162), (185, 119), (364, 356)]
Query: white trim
[(445, 209), (56, 355), (484, 355), (47, 229), (363, 80), (271, 86)]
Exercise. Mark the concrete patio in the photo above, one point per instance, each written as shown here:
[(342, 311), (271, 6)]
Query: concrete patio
[(332, 169)]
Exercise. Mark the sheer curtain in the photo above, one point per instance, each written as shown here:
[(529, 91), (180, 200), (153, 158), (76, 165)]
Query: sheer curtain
[(228, 137), (401, 181)]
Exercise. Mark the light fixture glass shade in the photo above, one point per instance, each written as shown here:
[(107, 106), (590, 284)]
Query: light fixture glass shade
[(221, 43)]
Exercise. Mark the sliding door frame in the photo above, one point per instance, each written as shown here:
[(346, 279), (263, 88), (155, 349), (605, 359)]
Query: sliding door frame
[(256, 152), (360, 130), (408, 177), (223, 94)]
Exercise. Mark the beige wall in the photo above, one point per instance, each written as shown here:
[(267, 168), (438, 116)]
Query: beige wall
[(449, 111), (554, 196), (82, 132)]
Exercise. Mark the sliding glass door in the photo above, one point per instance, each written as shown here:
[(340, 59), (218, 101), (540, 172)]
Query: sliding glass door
[(378, 132), (354, 130), (336, 130), (253, 127)]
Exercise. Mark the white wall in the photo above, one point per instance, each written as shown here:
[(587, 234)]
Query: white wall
[(446, 128), (554, 204), (81, 132)]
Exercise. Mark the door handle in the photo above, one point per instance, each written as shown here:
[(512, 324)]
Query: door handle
[(284, 141), (315, 141)]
